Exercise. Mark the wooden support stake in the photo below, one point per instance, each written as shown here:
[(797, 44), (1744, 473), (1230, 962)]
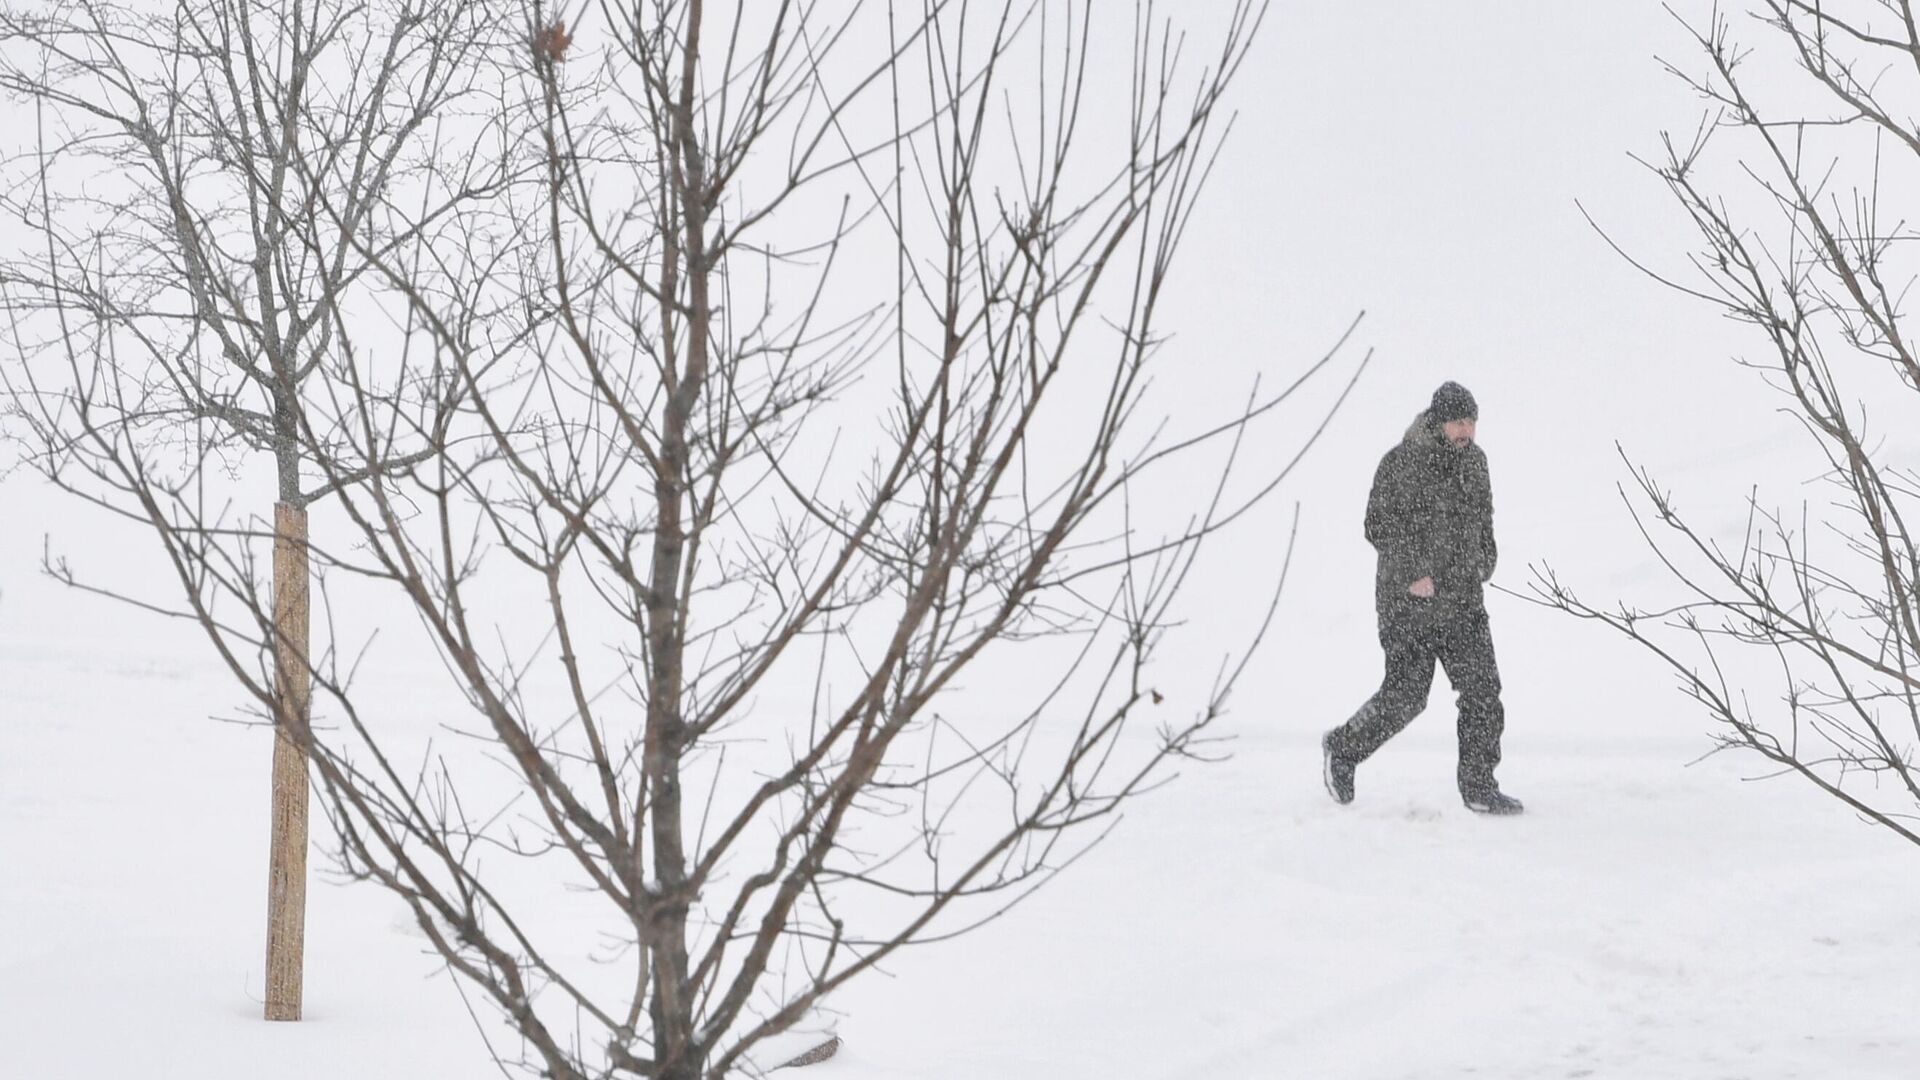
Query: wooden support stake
[(287, 856)]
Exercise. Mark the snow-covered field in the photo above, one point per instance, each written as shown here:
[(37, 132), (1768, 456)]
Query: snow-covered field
[(1644, 920)]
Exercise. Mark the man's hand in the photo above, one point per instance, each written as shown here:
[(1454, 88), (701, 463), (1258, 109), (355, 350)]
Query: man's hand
[(1422, 588)]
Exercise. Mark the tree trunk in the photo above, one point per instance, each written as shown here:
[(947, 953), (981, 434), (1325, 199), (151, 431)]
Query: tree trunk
[(287, 857), (673, 1009)]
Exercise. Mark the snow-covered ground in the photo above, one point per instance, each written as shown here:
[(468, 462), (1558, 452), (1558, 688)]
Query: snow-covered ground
[(1644, 920), (1641, 922)]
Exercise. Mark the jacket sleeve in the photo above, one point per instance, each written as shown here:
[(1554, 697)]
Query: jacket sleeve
[(1490, 551), (1399, 523)]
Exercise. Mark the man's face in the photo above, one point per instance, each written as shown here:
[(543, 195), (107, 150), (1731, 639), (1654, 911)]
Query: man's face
[(1458, 432)]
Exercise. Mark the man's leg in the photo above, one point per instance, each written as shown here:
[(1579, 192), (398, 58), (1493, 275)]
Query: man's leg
[(1466, 651), (1402, 694)]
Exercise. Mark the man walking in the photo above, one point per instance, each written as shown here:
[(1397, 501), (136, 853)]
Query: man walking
[(1430, 517)]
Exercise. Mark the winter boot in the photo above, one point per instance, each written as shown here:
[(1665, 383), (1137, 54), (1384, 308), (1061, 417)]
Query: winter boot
[(1491, 801), (1337, 771)]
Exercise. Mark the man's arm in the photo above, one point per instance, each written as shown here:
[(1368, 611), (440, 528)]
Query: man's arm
[(1398, 524), (1489, 551), (1492, 549)]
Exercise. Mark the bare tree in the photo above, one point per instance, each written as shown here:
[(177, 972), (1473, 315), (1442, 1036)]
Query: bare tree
[(1796, 182), (795, 532), (205, 188)]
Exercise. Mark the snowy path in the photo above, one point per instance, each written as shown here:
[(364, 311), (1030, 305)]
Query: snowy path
[(1642, 921)]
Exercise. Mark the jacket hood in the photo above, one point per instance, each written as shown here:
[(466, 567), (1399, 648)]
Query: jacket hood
[(1423, 430)]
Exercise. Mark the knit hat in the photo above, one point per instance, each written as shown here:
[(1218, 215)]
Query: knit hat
[(1452, 402)]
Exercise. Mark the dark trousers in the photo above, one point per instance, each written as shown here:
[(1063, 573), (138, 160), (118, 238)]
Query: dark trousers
[(1463, 644)]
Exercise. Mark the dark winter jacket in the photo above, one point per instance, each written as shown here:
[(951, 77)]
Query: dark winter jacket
[(1431, 515)]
